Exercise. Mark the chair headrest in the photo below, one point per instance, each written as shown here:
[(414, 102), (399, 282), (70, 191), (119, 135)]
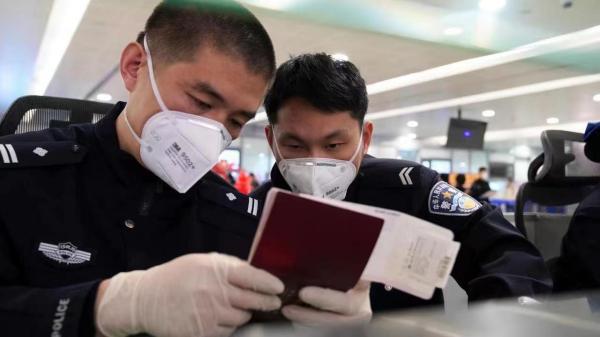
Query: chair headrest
[(551, 167)]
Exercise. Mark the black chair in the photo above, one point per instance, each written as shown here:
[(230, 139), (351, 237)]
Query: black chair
[(548, 182), (33, 113)]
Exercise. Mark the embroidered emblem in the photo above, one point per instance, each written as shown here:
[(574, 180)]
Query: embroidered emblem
[(445, 199), (40, 151), (64, 253)]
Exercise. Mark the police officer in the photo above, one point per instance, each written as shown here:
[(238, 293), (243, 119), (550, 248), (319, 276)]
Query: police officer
[(107, 228), (317, 132), (577, 268), (480, 189)]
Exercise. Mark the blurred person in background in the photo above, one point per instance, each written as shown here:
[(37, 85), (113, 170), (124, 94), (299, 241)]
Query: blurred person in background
[(254, 181), (460, 182), (480, 189), (510, 191)]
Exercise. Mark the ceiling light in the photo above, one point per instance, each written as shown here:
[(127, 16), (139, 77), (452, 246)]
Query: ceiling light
[(552, 120), (522, 151), (103, 97), (488, 113), (488, 96), (412, 124), (63, 21), (555, 44), (453, 31), (596, 98), (491, 5), (277, 5), (340, 57)]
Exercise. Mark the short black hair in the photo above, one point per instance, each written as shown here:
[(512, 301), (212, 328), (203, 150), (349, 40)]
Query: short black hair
[(461, 179), (327, 84), (482, 169), (177, 28)]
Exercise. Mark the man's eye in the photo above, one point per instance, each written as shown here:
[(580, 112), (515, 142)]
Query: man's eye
[(334, 146), (293, 146), (236, 123), (201, 104)]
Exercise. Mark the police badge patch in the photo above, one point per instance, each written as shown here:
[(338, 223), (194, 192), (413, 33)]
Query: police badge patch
[(64, 252), (444, 199)]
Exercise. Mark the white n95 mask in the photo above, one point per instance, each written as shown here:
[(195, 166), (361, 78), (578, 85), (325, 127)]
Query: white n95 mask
[(322, 177), (178, 147)]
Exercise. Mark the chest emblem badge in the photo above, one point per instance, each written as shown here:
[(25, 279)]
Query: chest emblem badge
[(65, 252), (40, 151)]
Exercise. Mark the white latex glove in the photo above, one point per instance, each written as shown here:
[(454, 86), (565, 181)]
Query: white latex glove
[(331, 307), (195, 295)]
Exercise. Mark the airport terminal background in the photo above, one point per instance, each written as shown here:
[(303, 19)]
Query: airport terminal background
[(517, 67), (408, 57)]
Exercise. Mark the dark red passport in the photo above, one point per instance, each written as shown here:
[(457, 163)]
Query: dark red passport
[(308, 242)]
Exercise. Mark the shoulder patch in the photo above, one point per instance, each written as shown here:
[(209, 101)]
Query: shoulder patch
[(405, 177), (230, 198), (35, 154), (391, 173), (444, 199)]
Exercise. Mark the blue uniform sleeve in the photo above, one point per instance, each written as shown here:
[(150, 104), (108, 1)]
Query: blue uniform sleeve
[(56, 312), (495, 260), (581, 247)]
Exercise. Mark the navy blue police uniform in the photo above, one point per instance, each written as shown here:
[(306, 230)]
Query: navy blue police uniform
[(75, 209), (577, 268), (494, 260)]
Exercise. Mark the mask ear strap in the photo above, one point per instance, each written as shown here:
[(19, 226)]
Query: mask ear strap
[(275, 142), (139, 140), (360, 143), (162, 105)]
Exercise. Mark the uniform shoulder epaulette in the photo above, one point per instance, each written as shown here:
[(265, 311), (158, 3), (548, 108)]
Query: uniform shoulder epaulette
[(390, 173), (228, 197), (40, 153)]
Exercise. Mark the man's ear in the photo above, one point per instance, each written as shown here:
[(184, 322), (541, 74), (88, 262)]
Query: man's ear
[(367, 136), (133, 58)]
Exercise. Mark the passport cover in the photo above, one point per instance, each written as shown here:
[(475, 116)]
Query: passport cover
[(307, 242)]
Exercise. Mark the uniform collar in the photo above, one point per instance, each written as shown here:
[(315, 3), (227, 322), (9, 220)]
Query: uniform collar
[(277, 180), (126, 167)]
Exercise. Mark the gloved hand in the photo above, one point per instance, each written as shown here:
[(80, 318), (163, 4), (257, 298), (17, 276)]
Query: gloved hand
[(193, 295), (331, 307)]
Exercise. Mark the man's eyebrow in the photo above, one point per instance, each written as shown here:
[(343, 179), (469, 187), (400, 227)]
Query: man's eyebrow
[(291, 136), (209, 90), (335, 134)]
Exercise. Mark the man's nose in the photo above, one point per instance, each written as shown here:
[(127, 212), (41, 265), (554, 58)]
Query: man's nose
[(218, 115), (317, 153)]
